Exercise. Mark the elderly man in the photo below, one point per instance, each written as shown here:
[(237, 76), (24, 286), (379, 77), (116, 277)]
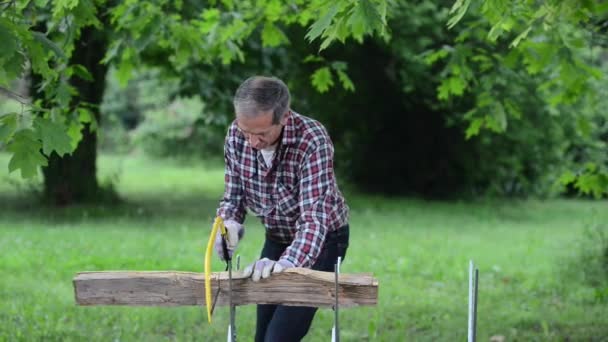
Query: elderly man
[(279, 165)]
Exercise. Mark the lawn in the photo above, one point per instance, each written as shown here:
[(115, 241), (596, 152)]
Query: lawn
[(530, 286)]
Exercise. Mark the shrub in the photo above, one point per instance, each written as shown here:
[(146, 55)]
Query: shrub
[(183, 129)]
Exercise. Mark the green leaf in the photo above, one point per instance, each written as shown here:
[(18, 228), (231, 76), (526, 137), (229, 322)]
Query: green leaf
[(453, 85), (228, 3), (583, 126), (364, 18), (8, 126), (499, 118), (435, 56), (44, 41), (85, 116), (273, 10), (124, 72), (319, 26), (38, 58), (457, 85), (272, 36), (75, 133), (112, 51), (322, 79), (473, 128), (11, 59), (67, 4), (513, 109), (494, 32), (82, 72), (347, 84), (54, 137), (64, 94), (567, 178), (8, 39), (519, 38), (590, 183), (538, 55), (25, 147), (211, 14), (13, 67), (591, 167), (458, 10), (339, 65), (313, 59), (443, 91), (328, 40)]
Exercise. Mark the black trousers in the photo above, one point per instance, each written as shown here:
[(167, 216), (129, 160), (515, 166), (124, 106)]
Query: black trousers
[(291, 323)]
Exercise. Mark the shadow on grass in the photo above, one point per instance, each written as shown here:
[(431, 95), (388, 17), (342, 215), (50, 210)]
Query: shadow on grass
[(142, 208)]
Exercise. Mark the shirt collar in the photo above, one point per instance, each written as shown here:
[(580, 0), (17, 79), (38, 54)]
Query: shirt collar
[(289, 131)]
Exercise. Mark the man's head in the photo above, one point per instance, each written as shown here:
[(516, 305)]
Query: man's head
[(262, 106)]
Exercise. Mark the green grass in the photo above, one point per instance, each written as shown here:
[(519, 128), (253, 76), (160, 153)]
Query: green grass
[(418, 250)]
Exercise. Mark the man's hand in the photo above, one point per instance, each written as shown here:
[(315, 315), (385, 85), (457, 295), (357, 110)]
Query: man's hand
[(264, 267), (235, 232)]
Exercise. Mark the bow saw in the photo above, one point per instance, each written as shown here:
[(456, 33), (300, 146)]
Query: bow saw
[(218, 224)]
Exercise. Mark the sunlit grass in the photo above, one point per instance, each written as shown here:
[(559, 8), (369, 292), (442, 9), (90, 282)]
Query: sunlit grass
[(418, 250)]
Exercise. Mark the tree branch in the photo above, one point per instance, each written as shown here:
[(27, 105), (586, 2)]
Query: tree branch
[(8, 93)]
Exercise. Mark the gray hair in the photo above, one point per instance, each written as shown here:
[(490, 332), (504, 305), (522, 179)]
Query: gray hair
[(262, 94)]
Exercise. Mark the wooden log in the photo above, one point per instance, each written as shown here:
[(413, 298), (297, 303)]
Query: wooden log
[(297, 286)]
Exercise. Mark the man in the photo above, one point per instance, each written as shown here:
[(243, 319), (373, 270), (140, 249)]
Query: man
[(279, 165)]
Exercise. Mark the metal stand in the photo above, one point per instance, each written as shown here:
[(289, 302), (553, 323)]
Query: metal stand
[(335, 331), (473, 282), (232, 326)]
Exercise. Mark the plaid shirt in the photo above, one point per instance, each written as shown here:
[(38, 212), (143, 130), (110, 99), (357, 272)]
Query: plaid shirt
[(297, 197)]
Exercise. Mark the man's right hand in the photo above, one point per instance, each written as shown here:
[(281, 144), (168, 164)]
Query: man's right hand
[(235, 233)]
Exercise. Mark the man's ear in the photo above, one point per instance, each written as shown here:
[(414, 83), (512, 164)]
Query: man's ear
[(285, 117)]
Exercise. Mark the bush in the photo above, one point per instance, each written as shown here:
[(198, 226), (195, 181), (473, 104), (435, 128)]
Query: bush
[(113, 136), (590, 263), (594, 255), (181, 130)]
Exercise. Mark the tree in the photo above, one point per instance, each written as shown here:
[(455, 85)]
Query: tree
[(56, 39), (555, 42), (550, 45)]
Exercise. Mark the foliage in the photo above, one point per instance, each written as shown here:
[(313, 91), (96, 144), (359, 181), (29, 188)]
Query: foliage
[(553, 42), (504, 68), (589, 260), (54, 126), (123, 108), (143, 31), (395, 104), (180, 130)]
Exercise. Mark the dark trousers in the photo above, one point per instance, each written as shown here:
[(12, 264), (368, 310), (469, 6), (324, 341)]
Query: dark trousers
[(291, 323)]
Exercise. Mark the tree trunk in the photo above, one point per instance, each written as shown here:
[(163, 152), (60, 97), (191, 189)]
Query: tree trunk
[(73, 178)]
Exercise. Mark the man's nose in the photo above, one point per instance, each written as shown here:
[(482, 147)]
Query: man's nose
[(253, 140)]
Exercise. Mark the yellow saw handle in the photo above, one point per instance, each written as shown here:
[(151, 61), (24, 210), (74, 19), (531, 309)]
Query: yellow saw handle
[(217, 224)]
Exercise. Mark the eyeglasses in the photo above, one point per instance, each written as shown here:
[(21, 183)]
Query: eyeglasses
[(262, 135)]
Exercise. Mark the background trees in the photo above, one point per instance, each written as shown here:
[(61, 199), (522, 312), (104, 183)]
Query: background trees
[(506, 99)]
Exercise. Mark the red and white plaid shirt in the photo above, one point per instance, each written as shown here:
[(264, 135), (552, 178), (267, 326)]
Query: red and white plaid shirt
[(297, 197)]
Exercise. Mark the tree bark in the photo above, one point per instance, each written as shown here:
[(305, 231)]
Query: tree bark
[(73, 178), (297, 286)]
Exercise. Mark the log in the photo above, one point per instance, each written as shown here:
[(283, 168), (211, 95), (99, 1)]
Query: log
[(297, 286)]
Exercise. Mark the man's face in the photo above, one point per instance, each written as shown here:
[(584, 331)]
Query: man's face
[(259, 130)]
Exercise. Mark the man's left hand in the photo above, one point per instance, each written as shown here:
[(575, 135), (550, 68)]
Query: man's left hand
[(264, 267)]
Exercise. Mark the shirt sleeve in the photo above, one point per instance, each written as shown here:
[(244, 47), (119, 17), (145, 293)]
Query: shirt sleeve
[(316, 182), (232, 206)]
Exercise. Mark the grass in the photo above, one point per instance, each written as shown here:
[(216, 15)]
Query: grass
[(418, 250)]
